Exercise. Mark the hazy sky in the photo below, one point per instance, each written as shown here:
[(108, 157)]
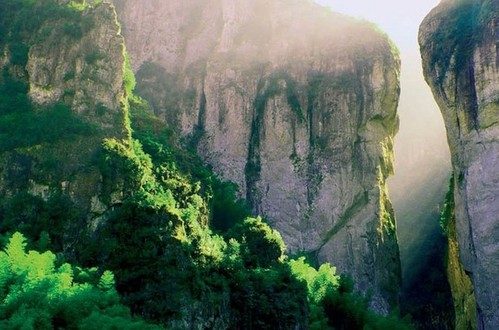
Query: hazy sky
[(400, 19)]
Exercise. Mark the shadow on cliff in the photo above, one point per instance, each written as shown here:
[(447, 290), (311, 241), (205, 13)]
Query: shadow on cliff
[(425, 290)]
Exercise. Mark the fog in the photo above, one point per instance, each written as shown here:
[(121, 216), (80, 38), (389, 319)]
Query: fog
[(422, 160)]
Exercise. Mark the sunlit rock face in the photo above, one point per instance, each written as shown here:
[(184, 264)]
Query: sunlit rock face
[(459, 48), (84, 71), (295, 104)]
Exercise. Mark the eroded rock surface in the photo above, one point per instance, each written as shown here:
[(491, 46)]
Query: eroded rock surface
[(80, 64), (293, 103), (459, 48), (66, 71)]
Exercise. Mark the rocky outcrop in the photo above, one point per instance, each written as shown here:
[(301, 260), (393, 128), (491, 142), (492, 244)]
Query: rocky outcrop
[(62, 85), (459, 48), (81, 64), (295, 104)]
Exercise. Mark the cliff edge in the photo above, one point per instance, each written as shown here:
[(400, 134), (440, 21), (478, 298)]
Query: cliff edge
[(458, 42)]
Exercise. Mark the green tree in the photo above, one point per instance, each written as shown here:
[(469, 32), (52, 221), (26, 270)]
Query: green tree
[(261, 245), (38, 294)]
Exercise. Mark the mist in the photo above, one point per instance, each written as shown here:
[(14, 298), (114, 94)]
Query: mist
[(422, 158)]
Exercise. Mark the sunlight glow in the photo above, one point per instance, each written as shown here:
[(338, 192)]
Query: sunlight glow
[(422, 159), (400, 19)]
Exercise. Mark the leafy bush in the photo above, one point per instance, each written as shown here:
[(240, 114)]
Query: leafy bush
[(268, 298), (13, 94), (128, 78), (36, 217), (73, 30), (38, 294), (334, 304), (261, 245), (28, 128), (19, 53), (93, 56)]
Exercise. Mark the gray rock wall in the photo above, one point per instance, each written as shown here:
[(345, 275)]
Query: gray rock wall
[(295, 104), (84, 71), (459, 48)]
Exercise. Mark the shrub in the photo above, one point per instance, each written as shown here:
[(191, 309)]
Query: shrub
[(38, 294)]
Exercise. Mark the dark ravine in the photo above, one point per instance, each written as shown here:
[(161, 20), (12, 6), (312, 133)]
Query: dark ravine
[(300, 113), (458, 42)]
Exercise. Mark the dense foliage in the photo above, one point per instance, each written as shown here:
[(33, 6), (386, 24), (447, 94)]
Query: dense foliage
[(37, 293), (334, 304), (169, 264)]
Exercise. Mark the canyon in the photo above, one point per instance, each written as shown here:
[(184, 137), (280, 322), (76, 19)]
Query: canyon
[(121, 124)]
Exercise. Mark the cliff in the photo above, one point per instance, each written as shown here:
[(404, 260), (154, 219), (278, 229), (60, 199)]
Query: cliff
[(458, 42), (61, 93), (463, 295), (293, 103)]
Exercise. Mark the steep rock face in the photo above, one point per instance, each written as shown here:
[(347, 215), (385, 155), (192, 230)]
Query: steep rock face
[(83, 69), (295, 104), (459, 48), (65, 74), (460, 283)]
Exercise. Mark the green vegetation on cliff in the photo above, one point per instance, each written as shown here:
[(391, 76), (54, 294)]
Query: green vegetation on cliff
[(23, 124), (458, 34), (242, 270), (453, 42), (463, 295)]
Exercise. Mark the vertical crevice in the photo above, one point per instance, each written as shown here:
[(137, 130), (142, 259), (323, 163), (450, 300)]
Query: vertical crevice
[(473, 99), (199, 129), (202, 111), (359, 93), (314, 84), (252, 170), (313, 87)]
